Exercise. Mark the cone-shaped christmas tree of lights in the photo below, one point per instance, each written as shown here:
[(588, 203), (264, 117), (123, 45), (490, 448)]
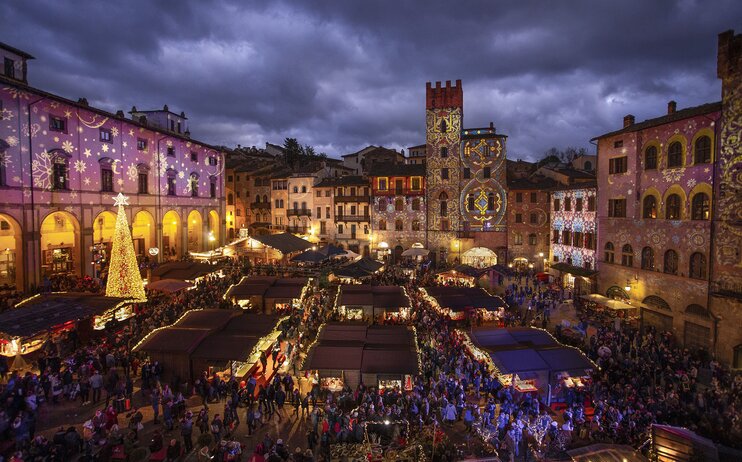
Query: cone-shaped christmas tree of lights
[(124, 279)]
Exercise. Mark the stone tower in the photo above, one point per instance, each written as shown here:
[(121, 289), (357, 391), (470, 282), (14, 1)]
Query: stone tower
[(726, 261), (444, 111)]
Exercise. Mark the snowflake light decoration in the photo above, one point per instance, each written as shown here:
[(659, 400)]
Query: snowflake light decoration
[(80, 166), (12, 140), (42, 170), (68, 147)]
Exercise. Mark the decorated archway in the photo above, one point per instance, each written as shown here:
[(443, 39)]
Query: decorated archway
[(479, 257), (214, 229), (195, 231), (170, 236), (60, 244), (143, 232), (11, 253)]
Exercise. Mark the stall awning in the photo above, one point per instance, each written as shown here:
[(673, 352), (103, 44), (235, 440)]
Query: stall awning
[(169, 286), (573, 270), (608, 302), (42, 312), (184, 270), (284, 242)]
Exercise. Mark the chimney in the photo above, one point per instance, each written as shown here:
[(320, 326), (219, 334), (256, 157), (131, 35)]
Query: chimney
[(165, 108), (671, 107), (83, 101), (628, 120), (120, 114), (143, 120)]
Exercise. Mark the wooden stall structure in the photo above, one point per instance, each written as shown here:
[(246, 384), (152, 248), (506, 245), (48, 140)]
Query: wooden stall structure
[(367, 302), (458, 303), (531, 360), (356, 271), (37, 319), (272, 248), (188, 271), (268, 294), (214, 340), (346, 354)]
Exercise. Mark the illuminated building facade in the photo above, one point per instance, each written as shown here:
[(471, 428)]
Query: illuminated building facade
[(398, 208), (62, 161), (353, 213), (529, 232), (655, 180)]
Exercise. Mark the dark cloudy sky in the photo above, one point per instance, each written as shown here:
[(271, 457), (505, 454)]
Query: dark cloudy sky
[(344, 74)]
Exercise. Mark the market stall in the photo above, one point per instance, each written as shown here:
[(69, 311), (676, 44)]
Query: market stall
[(225, 342), (346, 354), (188, 271), (357, 270), (605, 310), (458, 303), (37, 319), (362, 301), (268, 294)]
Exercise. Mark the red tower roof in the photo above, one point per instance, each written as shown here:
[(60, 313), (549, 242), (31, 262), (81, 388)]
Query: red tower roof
[(444, 97)]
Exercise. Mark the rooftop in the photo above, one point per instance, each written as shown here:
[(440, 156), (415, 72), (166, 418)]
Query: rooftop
[(666, 119), (393, 169)]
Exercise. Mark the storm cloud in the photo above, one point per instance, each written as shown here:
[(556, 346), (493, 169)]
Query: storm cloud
[(340, 75)]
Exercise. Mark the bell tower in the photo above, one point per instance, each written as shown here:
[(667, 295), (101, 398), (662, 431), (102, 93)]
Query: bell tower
[(444, 109)]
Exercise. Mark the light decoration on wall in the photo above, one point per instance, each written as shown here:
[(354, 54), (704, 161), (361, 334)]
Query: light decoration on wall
[(124, 279)]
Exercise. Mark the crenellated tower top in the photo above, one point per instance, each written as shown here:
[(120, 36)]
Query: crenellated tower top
[(440, 97)]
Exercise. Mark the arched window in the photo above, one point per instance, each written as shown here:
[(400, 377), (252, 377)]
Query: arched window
[(257, 199), (443, 197), (650, 158), (671, 262), (697, 310), (382, 204), (296, 206), (171, 181), (702, 150), (649, 207), (470, 202), (697, 269), (490, 201), (398, 225), (443, 126), (303, 189), (588, 165), (648, 258), (444, 152), (627, 255), (609, 252), (700, 207), (303, 205), (672, 207), (416, 204), (265, 198), (296, 189), (382, 225), (230, 199), (657, 303), (675, 155), (399, 204), (532, 239), (518, 239), (142, 178), (416, 225)]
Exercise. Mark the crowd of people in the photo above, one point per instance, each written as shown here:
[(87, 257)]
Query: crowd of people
[(643, 378)]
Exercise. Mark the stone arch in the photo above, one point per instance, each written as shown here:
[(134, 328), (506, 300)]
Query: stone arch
[(214, 228), (143, 232), (171, 239), (12, 263), (654, 301), (60, 244), (195, 231)]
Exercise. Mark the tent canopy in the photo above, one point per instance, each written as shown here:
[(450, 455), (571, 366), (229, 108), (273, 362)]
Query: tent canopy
[(41, 313), (415, 252), (391, 297), (463, 298), (310, 256), (284, 242), (169, 286), (183, 270), (364, 267)]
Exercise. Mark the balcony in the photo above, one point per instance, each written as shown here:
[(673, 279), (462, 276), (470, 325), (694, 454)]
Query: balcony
[(398, 192), (352, 198), (298, 212), (298, 229), (260, 205), (353, 218)]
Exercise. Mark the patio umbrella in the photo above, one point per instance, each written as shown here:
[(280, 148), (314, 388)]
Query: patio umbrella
[(415, 252), (310, 256)]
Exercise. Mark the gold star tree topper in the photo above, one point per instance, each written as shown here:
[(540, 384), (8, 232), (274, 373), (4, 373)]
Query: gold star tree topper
[(120, 200)]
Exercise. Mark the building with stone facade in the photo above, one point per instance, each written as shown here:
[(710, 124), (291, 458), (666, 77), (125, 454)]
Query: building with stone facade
[(61, 161), (352, 213), (324, 206), (359, 163), (574, 235), (398, 208), (656, 181), (529, 231)]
